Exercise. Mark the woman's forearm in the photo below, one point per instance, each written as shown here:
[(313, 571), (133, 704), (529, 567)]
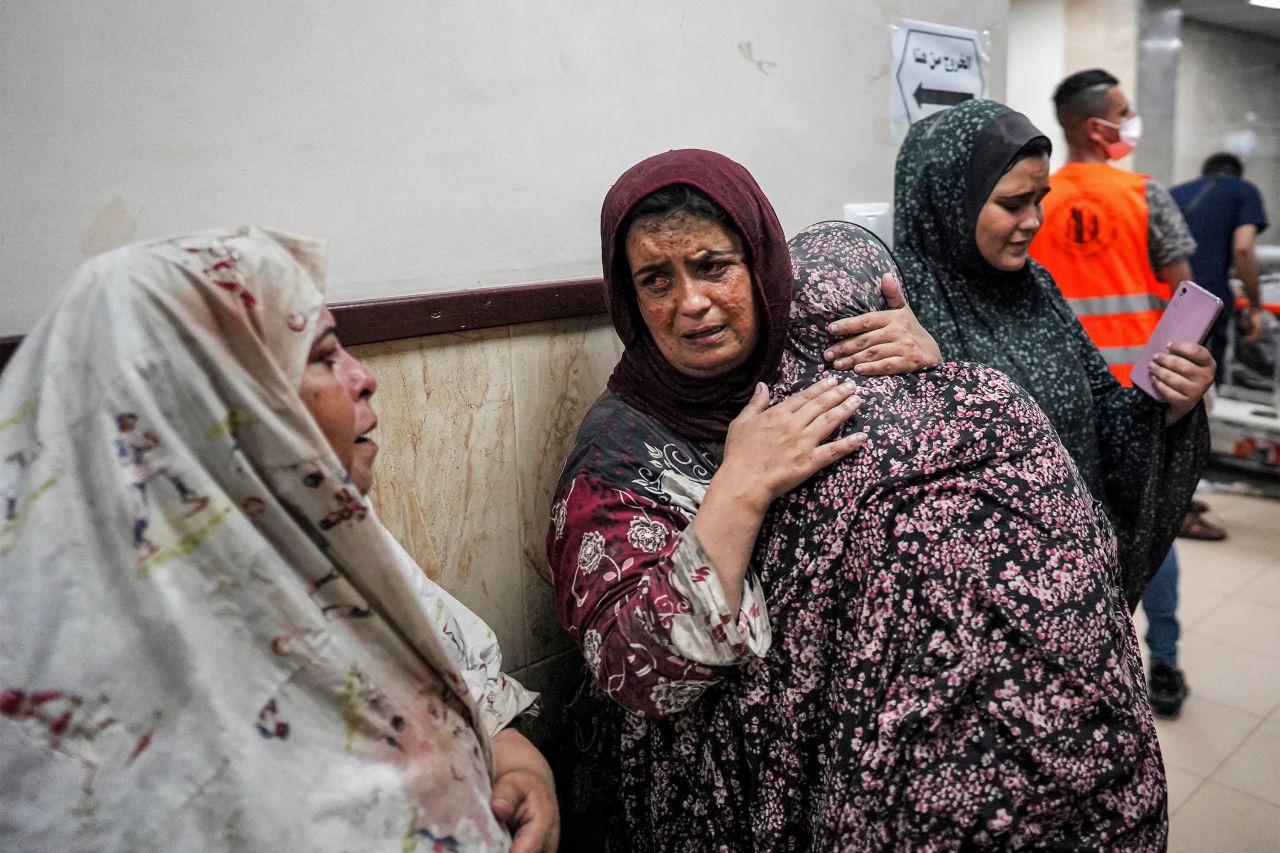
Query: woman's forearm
[(727, 524), (514, 751), (638, 592), (769, 451)]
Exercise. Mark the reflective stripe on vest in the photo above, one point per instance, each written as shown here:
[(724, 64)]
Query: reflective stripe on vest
[(1120, 361), (1092, 305), (1120, 330), (1120, 355), (1094, 243)]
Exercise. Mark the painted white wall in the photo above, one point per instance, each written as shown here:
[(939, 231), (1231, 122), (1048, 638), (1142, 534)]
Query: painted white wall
[(439, 145), (1037, 32), (1229, 80)]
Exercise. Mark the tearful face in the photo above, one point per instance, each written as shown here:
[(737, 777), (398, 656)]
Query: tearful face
[(695, 293)]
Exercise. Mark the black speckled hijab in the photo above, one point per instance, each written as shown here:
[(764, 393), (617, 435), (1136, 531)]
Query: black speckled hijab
[(1012, 321), (1019, 323), (948, 166)]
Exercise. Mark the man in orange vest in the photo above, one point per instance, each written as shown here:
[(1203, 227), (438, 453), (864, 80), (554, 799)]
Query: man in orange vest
[(1117, 244)]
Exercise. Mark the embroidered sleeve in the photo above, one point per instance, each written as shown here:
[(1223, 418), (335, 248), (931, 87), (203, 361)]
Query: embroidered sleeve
[(636, 590)]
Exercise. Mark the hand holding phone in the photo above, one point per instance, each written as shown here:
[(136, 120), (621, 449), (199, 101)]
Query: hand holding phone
[(1188, 317)]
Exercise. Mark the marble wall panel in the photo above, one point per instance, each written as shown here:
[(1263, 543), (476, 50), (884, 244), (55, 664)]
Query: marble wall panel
[(558, 369), (1102, 34), (474, 428), (446, 478)]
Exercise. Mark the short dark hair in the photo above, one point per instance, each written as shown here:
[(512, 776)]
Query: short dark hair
[(1084, 94), (1223, 163), (673, 202)]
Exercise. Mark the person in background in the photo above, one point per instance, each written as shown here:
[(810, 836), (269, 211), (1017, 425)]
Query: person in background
[(1225, 215), (1116, 245), (258, 665)]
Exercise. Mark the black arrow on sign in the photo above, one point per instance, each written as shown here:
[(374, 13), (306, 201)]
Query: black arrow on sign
[(940, 96)]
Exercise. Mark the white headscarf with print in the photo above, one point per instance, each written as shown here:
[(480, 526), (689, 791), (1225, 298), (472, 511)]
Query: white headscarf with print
[(207, 638)]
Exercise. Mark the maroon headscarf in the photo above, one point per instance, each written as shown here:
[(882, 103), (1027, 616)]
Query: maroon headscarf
[(697, 408)]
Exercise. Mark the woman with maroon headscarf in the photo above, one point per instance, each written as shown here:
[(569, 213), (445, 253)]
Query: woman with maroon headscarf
[(658, 507), (657, 510), (951, 665)]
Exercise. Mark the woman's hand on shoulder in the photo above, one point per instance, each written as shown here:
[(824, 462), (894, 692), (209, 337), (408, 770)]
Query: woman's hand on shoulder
[(772, 449), (1182, 376), (524, 794), (883, 343), (768, 452)]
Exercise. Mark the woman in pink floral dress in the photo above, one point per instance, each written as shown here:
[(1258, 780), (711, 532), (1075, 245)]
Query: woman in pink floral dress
[(929, 650)]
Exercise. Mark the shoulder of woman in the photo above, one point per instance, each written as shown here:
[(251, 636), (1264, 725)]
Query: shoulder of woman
[(616, 440)]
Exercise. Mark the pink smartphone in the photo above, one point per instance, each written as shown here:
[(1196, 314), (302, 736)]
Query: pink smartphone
[(1188, 317)]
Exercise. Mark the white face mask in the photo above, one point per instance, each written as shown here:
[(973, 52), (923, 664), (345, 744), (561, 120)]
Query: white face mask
[(1130, 131)]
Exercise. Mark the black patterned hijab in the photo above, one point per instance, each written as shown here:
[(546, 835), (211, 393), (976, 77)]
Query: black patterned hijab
[(948, 166), (1012, 321), (837, 268), (1019, 323)]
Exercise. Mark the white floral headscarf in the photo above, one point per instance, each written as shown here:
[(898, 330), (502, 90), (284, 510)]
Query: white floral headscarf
[(207, 638)]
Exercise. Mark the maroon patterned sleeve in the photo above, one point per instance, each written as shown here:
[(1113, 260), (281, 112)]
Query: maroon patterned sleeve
[(636, 591)]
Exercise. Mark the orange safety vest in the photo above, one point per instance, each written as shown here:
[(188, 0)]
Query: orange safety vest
[(1094, 242)]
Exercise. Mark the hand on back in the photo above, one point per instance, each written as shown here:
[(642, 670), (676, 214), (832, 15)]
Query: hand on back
[(772, 449), (883, 343)]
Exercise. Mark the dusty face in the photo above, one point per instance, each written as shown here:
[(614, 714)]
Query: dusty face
[(336, 389), (1011, 216), (695, 293)]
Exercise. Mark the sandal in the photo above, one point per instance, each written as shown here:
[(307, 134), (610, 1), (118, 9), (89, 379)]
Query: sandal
[(1198, 506), (1196, 527)]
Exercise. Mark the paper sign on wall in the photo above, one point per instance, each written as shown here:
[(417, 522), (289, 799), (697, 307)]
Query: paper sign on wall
[(934, 67)]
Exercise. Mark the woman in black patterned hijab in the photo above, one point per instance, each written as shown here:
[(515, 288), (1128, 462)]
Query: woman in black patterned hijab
[(1017, 321)]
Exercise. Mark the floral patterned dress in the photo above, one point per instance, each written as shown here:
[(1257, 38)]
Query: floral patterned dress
[(952, 664), (634, 586)]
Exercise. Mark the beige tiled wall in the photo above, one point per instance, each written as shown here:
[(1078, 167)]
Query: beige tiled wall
[(474, 427)]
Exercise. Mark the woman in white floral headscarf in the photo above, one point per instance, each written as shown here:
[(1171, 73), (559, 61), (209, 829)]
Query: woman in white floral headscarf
[(207, 639)]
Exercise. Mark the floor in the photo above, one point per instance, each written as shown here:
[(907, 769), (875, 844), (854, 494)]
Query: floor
[(1222, 755)]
